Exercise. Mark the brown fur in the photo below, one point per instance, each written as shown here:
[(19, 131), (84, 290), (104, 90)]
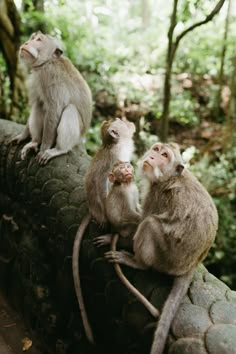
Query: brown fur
[(122, 203), (123, 212), (60, 99), (178, 227), (113, 148), (116, 142)]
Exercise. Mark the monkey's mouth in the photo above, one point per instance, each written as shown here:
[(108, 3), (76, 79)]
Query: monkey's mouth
[(23, 51), (146, 164)]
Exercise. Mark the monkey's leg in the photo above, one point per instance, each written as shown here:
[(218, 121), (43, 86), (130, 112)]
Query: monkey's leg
[(103, 240), (68, 135), (125, 258)]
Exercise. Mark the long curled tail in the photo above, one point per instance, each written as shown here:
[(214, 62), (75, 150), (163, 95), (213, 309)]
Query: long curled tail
[(76, 276), (179, 290), (154, 312)]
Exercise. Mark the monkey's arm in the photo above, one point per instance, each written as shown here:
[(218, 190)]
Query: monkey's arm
[(50, 128), (57, 100), (131, 217)]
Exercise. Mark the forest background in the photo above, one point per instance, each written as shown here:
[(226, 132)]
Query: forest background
[(168, 66)]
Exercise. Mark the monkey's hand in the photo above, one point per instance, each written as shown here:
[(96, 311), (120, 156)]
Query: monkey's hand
[(16, 139), (32, 145), (123, 257), (20, 137), (103, 240)]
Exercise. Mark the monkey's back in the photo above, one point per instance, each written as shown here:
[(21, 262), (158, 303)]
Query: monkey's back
[(181, 221), (96, 183)]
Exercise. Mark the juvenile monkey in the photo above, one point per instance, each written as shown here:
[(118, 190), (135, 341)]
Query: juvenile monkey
[(60, 99), (117, 144), (123, 213), (178, 227), (122, 202)]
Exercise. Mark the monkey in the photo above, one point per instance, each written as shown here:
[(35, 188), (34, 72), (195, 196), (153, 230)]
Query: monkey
[(117, 144), (178, 226), (60, 99), (123, 213), (122, 202)]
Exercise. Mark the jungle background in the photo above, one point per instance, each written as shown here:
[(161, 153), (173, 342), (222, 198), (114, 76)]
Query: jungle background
[(168, 66)]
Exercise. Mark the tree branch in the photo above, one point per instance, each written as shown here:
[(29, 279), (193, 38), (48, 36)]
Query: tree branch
[(197, 24)]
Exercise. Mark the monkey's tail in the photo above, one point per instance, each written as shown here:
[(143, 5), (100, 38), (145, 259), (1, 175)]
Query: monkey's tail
[(179, 290), (76, 277), (154, 312)]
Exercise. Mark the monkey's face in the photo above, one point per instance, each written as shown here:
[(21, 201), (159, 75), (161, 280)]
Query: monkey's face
[(116, 129), (162, 160), (122, 173), (39, 48)]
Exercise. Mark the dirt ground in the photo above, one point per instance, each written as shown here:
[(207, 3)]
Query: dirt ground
[(14, 336)]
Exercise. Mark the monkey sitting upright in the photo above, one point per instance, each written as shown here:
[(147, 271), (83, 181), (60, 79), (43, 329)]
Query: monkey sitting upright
[(61, 101), (117, 144), (178, 227)]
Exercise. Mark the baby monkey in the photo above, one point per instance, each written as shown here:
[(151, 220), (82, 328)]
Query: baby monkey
[(122, 202), (178, 227), (124, 214)]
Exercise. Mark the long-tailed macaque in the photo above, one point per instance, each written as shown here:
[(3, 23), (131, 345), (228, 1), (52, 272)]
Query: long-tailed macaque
[(122, 202), (124, 213), (178, 227), (117, 144), (61, 101)]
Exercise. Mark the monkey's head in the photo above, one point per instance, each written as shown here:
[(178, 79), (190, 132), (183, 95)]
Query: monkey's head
[(113, 130), (39, 49), (162, 161), (122, 173)]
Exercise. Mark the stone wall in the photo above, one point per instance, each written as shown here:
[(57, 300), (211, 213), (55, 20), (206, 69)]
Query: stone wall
[(40, 210)]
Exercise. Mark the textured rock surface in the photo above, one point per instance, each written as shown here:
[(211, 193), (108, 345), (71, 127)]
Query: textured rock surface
[(40, 210)]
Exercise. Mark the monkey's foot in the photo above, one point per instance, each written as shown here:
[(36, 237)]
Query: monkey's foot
[(102, 240), (123, 257), (29, 146), (44, 156)]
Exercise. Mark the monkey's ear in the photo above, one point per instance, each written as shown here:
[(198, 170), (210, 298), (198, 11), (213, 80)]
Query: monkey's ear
[(58, 52), (179, 169), (111, 177)]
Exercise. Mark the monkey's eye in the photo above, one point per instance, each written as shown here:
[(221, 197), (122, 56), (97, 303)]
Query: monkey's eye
[(39, 39), (164, 154), (156, 148)]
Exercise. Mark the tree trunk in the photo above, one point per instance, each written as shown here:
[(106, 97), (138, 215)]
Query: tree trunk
[(222, 61), (172, 47), (9, 45), (167, 82)]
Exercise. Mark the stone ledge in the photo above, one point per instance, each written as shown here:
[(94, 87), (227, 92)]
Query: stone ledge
[(40, 210)]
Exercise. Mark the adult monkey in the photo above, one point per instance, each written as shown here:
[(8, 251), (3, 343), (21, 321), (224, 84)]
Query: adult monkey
[(178, 227), (117, 144), (60, 98)]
